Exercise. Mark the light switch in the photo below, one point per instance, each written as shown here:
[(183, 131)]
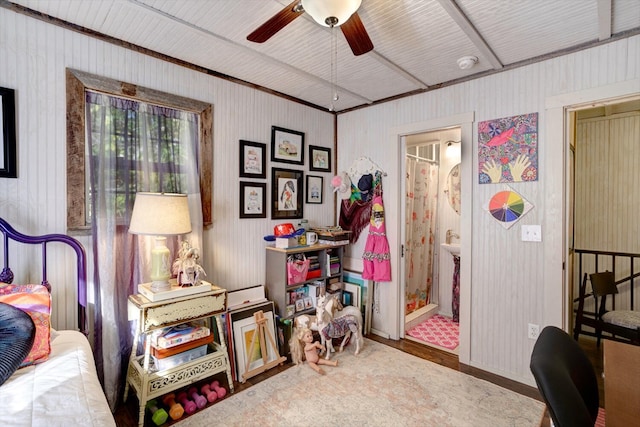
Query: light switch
[(532, 233)]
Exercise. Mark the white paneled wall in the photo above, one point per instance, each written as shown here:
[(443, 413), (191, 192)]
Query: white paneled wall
[(506, 286), (510, 281), (34, 58)]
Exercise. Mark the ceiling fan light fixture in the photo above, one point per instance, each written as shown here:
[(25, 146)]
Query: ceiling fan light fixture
[(331, 13)]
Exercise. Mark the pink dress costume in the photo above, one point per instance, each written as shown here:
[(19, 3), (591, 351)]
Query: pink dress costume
[(377, 257)]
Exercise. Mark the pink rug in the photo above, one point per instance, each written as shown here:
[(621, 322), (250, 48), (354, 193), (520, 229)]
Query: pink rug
[(438, 330)]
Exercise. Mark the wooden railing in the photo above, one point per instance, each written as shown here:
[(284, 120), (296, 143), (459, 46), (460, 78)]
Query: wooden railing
[(591, 261), (630, 281)]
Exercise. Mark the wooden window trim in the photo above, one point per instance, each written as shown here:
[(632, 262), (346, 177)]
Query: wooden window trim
[(77, 83)]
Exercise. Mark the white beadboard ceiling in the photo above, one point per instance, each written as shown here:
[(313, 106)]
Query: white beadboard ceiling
[(416, 42)]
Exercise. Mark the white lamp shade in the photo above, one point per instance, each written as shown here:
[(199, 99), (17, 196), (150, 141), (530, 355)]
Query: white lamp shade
[(320, 10), (160, 214)]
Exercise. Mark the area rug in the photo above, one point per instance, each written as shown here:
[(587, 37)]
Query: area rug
[(438, 330), (381, 386)]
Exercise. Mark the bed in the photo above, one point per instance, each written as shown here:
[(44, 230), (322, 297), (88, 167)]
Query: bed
[(56, 384)]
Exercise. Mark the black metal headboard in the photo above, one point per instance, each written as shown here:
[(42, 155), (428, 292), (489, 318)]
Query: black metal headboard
[(7, 275)]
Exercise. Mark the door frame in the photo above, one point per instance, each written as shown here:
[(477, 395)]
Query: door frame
[(465, 122), (557, 304)]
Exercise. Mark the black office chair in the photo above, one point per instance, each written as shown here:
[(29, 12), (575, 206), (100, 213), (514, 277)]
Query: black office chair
[(565, 378)]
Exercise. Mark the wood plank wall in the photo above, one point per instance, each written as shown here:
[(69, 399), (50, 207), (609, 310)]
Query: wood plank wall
[(607, 201)]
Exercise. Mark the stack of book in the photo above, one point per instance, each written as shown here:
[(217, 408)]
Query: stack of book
[(334, 265), (328, 236), (179, 344), (314, 267)]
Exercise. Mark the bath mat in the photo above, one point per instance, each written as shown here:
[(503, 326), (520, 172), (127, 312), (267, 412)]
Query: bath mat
[(438, 330)]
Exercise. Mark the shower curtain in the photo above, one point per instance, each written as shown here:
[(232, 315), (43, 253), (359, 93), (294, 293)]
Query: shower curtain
[(420, 224)]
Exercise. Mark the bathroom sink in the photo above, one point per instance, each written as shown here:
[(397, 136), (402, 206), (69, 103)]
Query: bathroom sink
[(454, 248)]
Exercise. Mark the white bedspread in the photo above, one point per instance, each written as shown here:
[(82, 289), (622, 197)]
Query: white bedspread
[(63, 391)]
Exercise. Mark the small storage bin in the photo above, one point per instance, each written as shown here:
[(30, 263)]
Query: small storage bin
[(186, 356)]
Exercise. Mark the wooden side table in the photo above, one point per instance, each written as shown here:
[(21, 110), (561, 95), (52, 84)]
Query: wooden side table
[(149, 384)]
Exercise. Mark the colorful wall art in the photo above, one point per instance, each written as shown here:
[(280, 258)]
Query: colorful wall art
[(508, 149), (507, 207)]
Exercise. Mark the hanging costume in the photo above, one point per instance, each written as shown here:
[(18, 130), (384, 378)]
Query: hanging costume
[(377, 256)]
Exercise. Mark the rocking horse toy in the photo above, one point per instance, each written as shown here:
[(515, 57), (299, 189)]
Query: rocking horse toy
[(347, 323)]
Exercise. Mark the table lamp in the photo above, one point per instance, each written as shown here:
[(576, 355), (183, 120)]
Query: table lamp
[(160, 215)]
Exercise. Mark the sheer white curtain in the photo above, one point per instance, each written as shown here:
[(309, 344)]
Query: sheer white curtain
[(133, 147), (420, 225)]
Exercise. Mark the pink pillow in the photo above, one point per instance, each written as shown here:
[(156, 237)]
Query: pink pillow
[(34, 300)]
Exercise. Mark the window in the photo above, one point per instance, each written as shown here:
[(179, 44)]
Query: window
[(165, 114)]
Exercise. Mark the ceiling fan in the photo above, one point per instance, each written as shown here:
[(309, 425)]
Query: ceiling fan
[(329, 13)]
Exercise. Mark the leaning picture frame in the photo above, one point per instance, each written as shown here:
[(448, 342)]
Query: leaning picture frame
[(243, 332), (319, 159), (253, 159), (287, 146), (8, 157), (315, 189), (286, 194), (253, 199)]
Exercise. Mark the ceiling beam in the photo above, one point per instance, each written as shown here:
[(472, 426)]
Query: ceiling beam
[(395, 67), (253, 52), (604, 19), (467, 27)]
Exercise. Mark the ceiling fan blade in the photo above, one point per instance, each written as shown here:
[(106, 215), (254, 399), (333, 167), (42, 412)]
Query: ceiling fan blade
[(275, 23), (356, 35)]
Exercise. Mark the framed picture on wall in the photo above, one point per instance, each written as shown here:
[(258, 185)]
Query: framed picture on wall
[(253, 199), (286, 194), (253, 159), (314, 189), (319, 159), (8, 167), (287, 146)]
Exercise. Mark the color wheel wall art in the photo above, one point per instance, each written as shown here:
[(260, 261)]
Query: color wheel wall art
[(507, 207), (508, 149)]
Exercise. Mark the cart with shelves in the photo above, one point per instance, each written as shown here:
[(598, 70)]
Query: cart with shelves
[(149, 383)]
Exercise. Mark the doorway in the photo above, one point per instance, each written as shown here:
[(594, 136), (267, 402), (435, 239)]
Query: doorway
[(431, 228), (604, 150)]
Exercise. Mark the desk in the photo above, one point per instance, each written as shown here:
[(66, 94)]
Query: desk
[(621, 383)]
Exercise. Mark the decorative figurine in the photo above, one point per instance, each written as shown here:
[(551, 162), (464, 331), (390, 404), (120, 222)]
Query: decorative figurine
[(186, 265)]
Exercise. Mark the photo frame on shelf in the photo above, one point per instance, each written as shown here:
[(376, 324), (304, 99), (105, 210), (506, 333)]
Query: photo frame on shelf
[(315, 189), (319, 159), (253, 159), (8, 158), (253, 199), (286, 194), (287, 146)]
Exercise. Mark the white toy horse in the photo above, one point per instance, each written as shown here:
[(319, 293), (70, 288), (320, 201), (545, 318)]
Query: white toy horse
[(348, 323)]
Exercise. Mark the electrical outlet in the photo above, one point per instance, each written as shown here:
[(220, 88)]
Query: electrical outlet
[(533, 331)]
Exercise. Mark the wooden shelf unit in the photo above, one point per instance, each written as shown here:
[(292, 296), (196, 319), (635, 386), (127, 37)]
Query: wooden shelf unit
[(276, 272)]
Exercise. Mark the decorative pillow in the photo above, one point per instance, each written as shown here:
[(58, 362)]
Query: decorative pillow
[(17, 333), (34, 300)]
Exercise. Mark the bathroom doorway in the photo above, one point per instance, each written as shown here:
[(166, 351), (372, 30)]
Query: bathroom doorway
[(431, 233)]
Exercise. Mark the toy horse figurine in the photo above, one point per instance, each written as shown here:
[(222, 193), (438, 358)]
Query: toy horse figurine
[(343, 326)]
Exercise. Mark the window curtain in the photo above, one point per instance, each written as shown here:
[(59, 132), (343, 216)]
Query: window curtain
[(420, 225), (132, 147)]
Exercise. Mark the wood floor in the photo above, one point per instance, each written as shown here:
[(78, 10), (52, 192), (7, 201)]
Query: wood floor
[(127, 414)]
